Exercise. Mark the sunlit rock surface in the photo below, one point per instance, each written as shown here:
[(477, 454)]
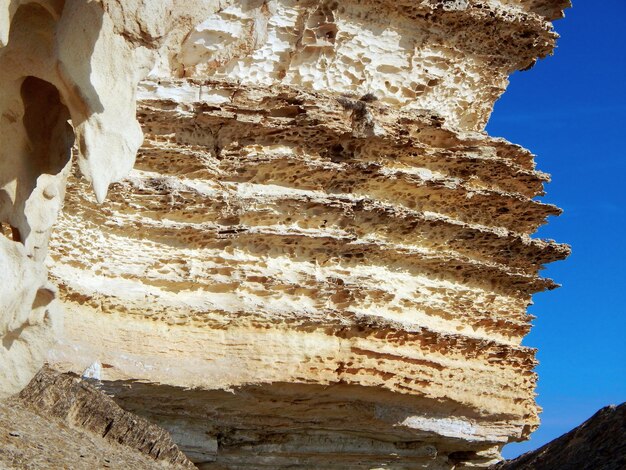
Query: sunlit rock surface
[(53, 71), (320, 260), (69, 71), (59, 421)]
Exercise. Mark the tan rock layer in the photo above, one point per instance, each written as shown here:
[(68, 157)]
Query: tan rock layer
[(315, 206), (300, 238)]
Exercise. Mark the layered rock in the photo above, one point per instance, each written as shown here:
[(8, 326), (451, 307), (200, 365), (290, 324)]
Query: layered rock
[(57, 81), (59, 421), (320, 259)]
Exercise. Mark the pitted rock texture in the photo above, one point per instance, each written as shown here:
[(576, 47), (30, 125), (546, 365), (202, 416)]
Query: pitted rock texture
[(340, 270), (452, 57), (59, 421), (320, 259), (291, 237), (61, 84)]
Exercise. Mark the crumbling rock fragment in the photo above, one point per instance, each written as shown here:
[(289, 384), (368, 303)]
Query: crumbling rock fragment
[(60, 421)]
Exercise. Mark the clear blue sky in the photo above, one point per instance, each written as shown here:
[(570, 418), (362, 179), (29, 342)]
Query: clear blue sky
[(570, 110)]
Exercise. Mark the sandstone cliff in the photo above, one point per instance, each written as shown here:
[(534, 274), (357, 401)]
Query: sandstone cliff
[(320, 259)]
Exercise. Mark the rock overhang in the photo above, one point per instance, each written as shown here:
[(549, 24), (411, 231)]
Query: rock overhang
[(315, 203)]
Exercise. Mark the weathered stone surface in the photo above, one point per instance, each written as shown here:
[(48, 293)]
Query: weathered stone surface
[(320, 258), (59, 421), (274, 243), (52, 71), (597, 444)]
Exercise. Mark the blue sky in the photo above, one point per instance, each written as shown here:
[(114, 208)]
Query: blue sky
[(570, 110)]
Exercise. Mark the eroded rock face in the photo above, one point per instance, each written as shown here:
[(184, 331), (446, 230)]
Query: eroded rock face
[(320, 259), (63, 85), (53, 73)]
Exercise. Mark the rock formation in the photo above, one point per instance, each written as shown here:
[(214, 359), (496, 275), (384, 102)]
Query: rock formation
[(597, 444), (59, 421), (320, 260), (51, 72)]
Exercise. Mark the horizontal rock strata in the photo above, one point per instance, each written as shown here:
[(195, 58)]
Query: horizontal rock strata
[(311, 253), (320, 260)]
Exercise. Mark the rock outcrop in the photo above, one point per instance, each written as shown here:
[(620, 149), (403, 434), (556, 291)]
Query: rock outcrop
[(59, 421), (60, 82), (597, 444), (320, 259)]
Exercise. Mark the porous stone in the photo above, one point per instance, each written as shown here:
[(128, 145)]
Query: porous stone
[(69, 71), (320, 259), (53, 71)]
